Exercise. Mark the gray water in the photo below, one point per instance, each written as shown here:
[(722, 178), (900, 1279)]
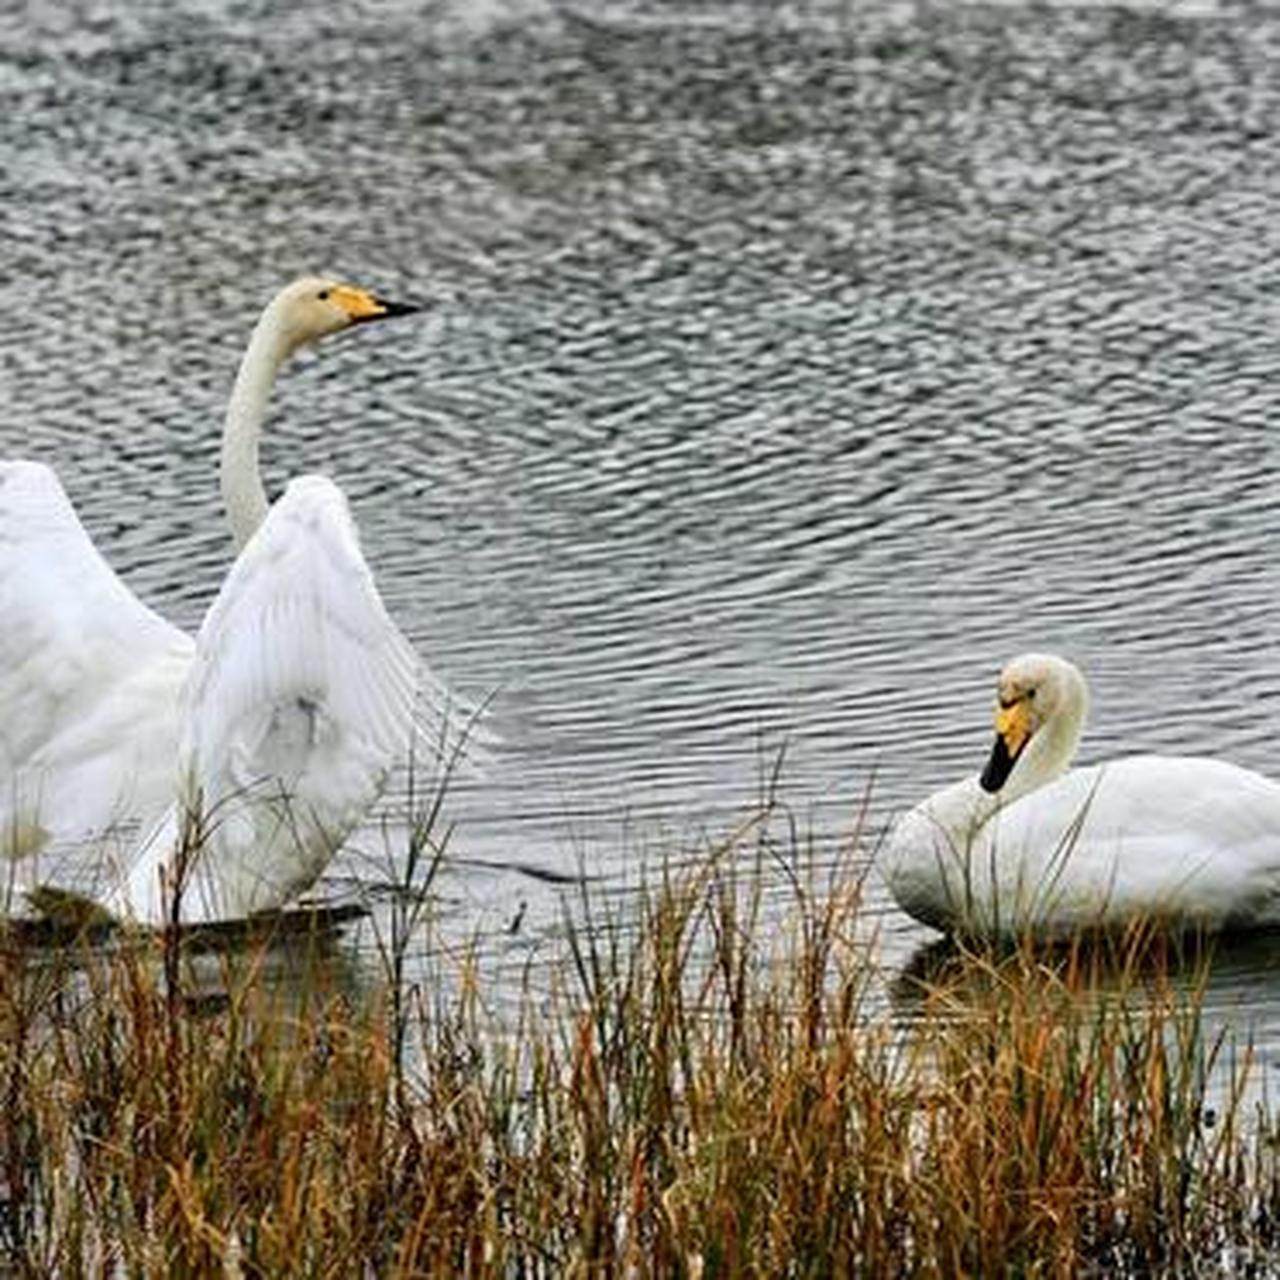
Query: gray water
[(787, 368)]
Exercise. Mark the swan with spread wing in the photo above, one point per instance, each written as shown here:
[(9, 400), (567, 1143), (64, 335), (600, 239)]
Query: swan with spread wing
[(275, 727), (1034, 845)]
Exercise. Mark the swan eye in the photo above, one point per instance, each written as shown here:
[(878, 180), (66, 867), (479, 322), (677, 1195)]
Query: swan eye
[(1031, 695), (323, 295)]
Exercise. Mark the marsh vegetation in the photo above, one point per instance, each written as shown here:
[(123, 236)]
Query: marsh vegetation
[(716, 1078)]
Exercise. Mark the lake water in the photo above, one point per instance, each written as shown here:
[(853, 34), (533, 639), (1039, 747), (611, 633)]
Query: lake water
[(787, 368)]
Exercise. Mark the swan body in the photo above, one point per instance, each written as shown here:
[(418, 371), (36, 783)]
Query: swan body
[(1035, 846), (248, 753)]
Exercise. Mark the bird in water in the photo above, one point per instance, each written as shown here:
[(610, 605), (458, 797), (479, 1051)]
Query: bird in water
[(1032, 845), (248, 753)]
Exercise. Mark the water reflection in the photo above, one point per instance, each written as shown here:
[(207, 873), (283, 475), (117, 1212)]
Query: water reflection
[(292, 974), (1226, 982)]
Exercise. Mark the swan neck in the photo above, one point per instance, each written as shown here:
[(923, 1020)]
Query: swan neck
[(243, 493), (1053, 747)]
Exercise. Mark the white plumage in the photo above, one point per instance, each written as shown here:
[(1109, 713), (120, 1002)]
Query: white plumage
[(298, 704), (272, 733), (89, 678), (1035, 846)]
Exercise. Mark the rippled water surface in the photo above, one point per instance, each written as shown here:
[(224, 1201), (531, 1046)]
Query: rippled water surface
[(787, 368)]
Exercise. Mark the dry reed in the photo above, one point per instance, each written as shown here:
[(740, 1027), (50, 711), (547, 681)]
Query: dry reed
[(720, 1083)]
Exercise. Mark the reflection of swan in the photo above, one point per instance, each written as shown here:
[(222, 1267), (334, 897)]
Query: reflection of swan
[(1030, 845), (284, 715)]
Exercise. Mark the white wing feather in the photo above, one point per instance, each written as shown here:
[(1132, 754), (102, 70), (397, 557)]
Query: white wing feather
[(89, 677), (300, 701)]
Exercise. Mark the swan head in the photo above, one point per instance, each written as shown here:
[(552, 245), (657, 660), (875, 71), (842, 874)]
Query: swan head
[(316, 306), (1041, 704), (301, 313)]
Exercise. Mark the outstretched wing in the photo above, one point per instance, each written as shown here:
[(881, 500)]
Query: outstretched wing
[(300, 701), (89, 676)]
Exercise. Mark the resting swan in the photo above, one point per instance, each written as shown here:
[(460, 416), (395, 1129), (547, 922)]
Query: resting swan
[(279, 722), (1034, 846)]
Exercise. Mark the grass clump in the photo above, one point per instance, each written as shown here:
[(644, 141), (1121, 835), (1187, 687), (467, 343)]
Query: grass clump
[(715, 1079)]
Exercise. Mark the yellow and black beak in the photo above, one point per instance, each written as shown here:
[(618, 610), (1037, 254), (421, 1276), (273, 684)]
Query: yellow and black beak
[(363, 306), (1013, 731), (388, 309)]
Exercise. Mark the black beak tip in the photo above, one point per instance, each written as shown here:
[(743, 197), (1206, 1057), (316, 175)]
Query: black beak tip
[(999, 765), (390, 308)]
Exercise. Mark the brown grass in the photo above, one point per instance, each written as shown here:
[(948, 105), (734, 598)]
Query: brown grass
[(720, 1084)]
